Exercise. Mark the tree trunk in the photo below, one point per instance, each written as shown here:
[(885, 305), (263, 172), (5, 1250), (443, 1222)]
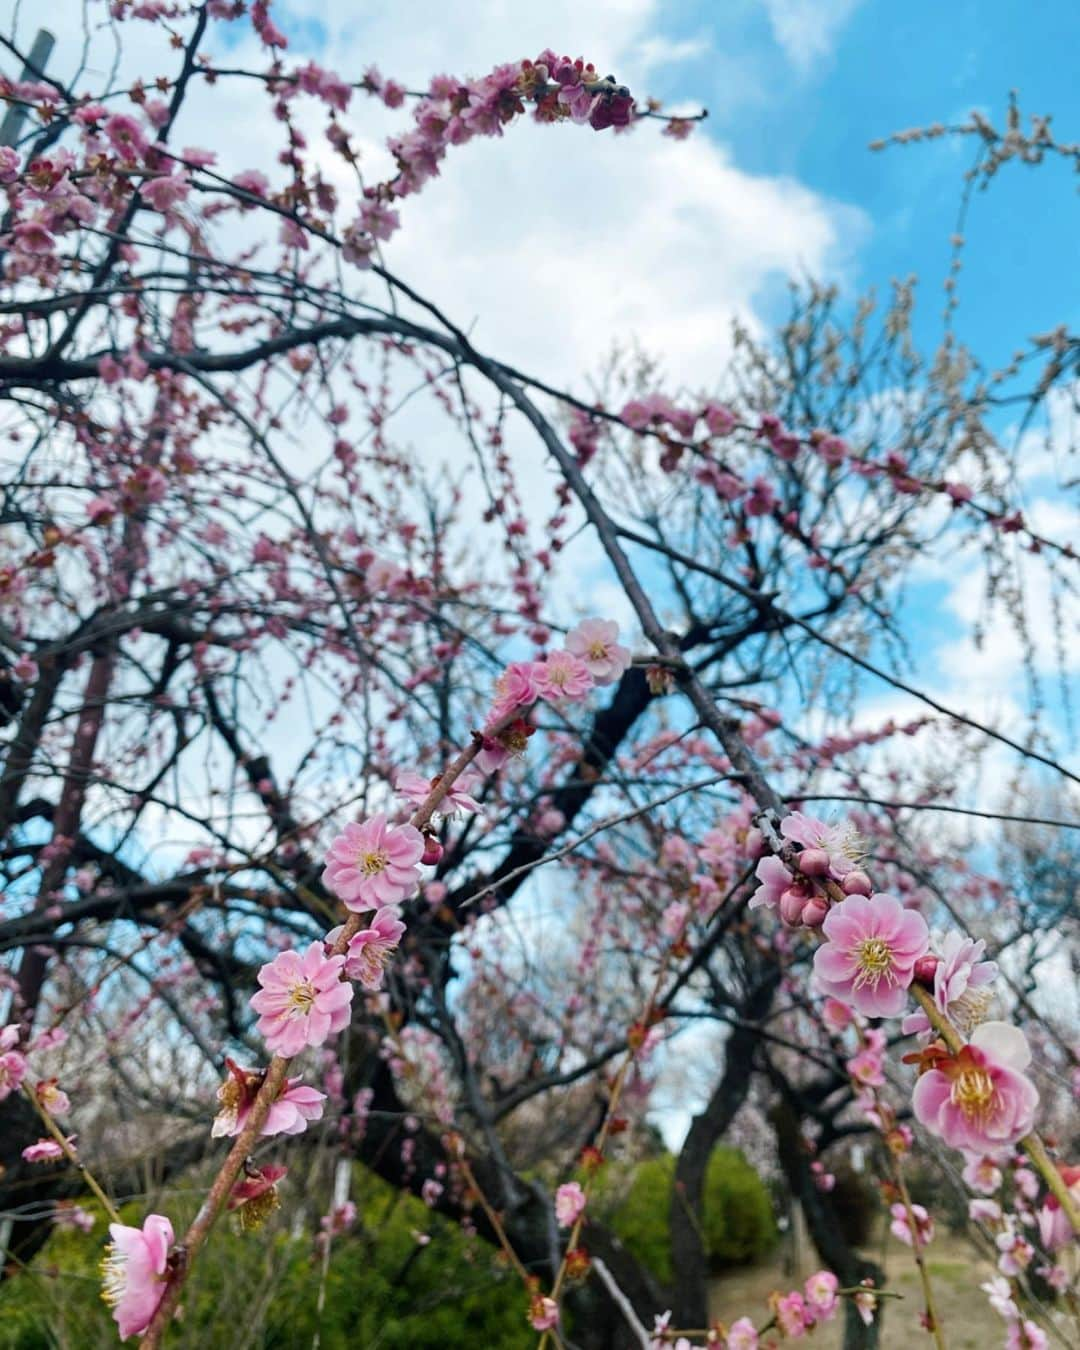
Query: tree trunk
[(825, 1231)]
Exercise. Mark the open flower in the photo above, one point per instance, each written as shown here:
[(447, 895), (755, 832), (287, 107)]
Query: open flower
[(979, 1100), (960, 980), (901, 1227), (742, 1335), (1055, 1230), (371, 863), (561, 677), (293, 1107), (821, 1297), (372, 948), (302, 1000), (415, 788), (255, 1198), (569, 1204), (775, 880), (45, 1150), (594, 642), (869, 959), (840, 842), (133, 1272)]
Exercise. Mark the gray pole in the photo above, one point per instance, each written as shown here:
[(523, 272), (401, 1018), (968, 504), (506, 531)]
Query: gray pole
[(12, 125)]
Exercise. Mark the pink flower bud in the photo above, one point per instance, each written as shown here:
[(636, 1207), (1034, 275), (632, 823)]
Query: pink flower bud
[(814, 862), (792, 903), (925, 967), (856, 883), (814, 912), (433, 851)]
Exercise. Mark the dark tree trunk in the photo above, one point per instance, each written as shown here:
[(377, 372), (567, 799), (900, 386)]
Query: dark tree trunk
[(825, 1229), (689, 1259)]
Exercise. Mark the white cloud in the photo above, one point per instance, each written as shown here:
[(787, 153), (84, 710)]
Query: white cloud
[(806, 30)]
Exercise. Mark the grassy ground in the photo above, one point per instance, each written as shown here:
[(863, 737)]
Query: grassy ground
[(955, 1272)]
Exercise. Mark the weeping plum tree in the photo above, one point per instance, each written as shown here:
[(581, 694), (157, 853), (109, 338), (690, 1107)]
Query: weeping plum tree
[(333, 812)]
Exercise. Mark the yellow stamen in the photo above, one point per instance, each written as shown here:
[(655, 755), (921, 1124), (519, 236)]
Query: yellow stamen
[(875, 962), (973, 1092), (302, 996), (372, 863)]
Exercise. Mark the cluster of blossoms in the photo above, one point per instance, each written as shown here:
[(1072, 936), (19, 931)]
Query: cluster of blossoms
[(978, 1098), (453, 112), (373, 867), (794, 1315)]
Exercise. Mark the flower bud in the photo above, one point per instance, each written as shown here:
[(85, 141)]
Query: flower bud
[(856, 883), (814, 862), (792, 903), (433, 851), (814, 912), (925, 967)]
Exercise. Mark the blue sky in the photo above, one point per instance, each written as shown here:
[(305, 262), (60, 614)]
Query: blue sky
[(885, 67)]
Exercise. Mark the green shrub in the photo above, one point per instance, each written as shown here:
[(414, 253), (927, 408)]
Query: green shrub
[(258, 1291), (737, 1214)]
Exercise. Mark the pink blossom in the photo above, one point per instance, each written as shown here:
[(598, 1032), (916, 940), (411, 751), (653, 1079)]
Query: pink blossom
[(134, 1272), (594, 641), (869, 959), (562, 676), (516, 687), (979, 1100), (371, 948), (431, 1191), (837, 1016), (372, 864), (984, 1211), (416, 789), (999, 1295), (791, 1314), (31, 236), (868, 1067), (543, 1312), (9, 165), (840, 842), (302, 1000), (383, 576), (12, 1072), (1016, 1253), (742, 1335), (127, 137), (673, 919), (982, 1174), (775, 880), (290, 1112), (1026, 1335), (820, 1292), (901, 1227), (1055, 1230), (45, 1150), (960, 978), (52, 1097), (569, 1204)]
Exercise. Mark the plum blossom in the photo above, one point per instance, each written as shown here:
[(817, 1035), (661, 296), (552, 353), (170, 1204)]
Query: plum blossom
[(820, 1293), (901, 1226), (791, 1313), (415, 788), (12, 1063), (134, 1272), (983, 1175), (775, 880), (290, 1112), (372, 864), (569, 1204), (302, 1000), (52, 1097), (1000, 1297), (45, 1150), (960, 980), (1055, 1230), (742, 1335), (543, 1312), (979, 1100), (1026, 1335), (869, 959), (255, 1198), (839, 842), (594, 641), (371, 948), (517, 687), (562, 676)]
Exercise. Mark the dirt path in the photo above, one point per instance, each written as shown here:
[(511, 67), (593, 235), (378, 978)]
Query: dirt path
[(955, 1271)]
